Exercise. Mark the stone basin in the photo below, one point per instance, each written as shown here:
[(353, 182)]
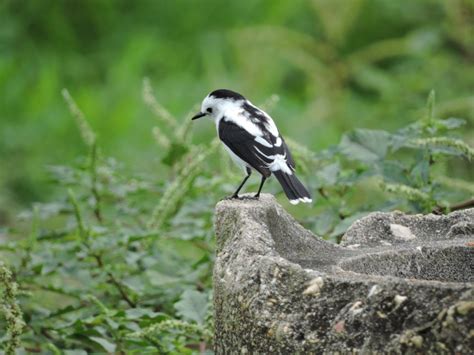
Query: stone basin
[(397, 283), (447, 264)]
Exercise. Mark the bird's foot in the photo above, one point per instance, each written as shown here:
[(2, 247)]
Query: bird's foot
[(232, 197), (237, 197), (249, 198)]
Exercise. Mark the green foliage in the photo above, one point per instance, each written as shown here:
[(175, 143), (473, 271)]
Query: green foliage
[(11, 311), (336, 65), (119, 257), (116, 264), (123, 263), (394, 170), (193, 306)]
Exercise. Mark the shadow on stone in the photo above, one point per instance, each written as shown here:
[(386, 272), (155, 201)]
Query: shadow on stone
[(398, 283)]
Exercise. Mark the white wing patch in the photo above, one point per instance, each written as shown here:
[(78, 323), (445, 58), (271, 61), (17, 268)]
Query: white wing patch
[(263, 142), (278, 162), (272, 128), (232, 111), (238, 117), (269, 125)]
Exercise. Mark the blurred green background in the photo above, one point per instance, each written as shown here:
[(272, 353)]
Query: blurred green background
[(335, 65), (119, 256)]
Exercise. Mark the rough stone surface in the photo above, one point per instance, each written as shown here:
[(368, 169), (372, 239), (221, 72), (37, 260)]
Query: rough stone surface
[(397, 284)]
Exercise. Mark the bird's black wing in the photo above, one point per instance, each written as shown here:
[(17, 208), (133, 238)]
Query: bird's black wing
[(289, 157), (244, 145), (259, 118)]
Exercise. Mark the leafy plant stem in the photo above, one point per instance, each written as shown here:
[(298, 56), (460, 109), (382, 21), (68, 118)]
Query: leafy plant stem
[(115, 282), (93, 175), (118, 285), (98, 257), (77, 214)]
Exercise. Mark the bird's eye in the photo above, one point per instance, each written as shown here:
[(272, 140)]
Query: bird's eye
[(209, 110)]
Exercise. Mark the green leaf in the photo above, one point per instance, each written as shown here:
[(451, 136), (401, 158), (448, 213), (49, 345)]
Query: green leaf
[(159, 279), (329, 174), (365, 145), (393, 171), (451, 123), (143, 313), (104, 343), (420, 174), (192, 306), (325, 222), (75, 352)]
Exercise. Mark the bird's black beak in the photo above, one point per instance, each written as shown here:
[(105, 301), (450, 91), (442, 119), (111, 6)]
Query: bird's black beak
[(199, 115)]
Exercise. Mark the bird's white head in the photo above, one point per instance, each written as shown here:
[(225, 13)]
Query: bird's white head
[(218, 102)]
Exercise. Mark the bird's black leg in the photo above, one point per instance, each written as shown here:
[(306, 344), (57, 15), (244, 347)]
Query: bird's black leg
[(236, 193), (260, 188)]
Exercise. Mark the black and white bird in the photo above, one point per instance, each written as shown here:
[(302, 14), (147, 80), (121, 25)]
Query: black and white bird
[(252, 139)]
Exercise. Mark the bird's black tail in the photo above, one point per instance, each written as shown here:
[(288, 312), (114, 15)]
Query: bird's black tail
[(294, 189)]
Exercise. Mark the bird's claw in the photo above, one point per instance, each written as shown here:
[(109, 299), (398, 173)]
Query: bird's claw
[(249, 198), (232, 197), (237, 197)]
